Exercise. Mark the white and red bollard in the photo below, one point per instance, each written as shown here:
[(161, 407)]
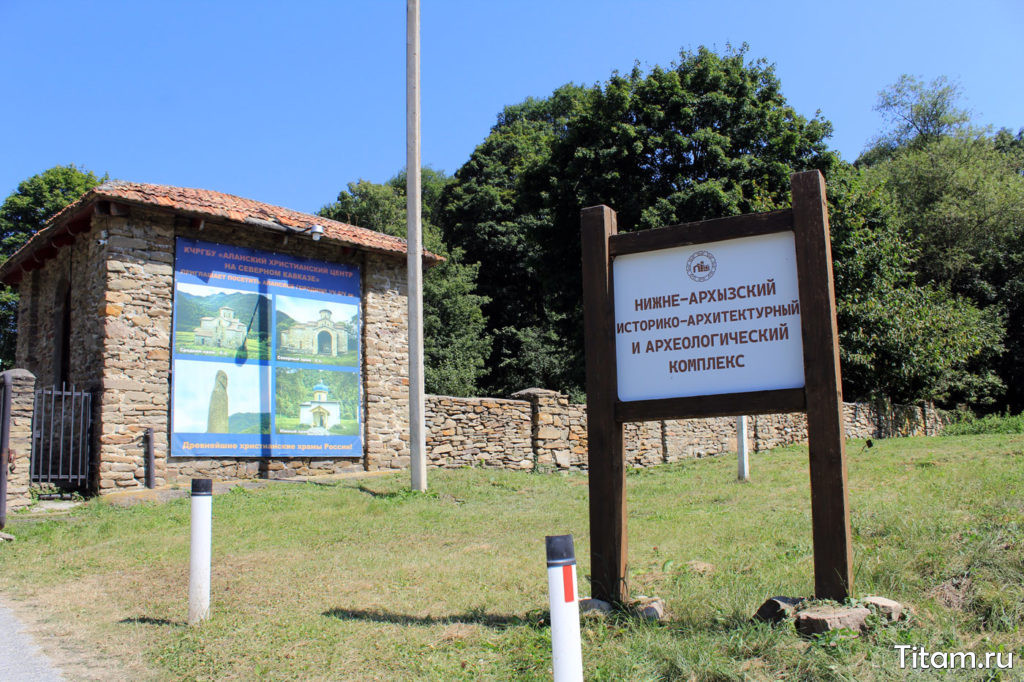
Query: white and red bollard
[(199, 554), (566, 655)]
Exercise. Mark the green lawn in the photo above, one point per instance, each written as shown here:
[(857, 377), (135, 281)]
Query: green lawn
[(364, 580), (345, 427)]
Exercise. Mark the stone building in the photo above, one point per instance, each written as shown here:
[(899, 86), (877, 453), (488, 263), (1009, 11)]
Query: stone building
[(96, 310), (224, 331), (322, 337)]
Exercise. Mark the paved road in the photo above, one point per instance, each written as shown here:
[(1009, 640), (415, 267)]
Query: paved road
[(20, 658)]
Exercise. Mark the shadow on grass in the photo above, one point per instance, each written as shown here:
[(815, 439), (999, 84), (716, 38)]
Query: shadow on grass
[(533, 619), (405, 494), (382, 494), (146, 620)]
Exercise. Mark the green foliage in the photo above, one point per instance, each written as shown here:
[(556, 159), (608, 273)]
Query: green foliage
[(900, 339), (970, 425), (709, 136), (455, 342), (957, 195), (22, 214), (918, 113)]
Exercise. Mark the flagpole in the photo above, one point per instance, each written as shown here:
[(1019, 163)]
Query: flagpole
[(414, 209)]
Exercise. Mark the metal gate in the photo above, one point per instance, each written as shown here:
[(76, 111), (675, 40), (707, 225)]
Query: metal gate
[(61, 421)]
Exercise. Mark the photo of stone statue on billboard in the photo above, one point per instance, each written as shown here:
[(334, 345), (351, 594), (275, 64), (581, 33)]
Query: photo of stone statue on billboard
[(217, 322), (316, 402), (221, 397), (317, 332)]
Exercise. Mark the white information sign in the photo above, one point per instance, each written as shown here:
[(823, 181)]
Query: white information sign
[(707, 319)]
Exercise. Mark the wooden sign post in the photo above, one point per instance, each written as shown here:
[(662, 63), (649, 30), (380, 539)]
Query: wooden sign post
[(675, 343)]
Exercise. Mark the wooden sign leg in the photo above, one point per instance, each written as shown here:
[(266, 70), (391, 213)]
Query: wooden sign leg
[(607, 477), (830, 507)]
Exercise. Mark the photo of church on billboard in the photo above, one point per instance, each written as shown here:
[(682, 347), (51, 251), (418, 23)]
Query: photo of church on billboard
[(329, 337)]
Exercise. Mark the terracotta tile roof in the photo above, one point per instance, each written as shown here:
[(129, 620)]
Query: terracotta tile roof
[(203, 203)]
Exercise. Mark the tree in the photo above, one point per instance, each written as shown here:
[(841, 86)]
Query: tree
[(899, 339), (712, 135), (455, 343), (958, 197), (24, 213), (918, 113)]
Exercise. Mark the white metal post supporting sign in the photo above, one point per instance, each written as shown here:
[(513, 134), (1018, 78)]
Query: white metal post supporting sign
[(708, 319)]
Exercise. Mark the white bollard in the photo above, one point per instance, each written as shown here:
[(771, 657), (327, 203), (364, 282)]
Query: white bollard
[(566, 655), (742, 453), (199, 556)]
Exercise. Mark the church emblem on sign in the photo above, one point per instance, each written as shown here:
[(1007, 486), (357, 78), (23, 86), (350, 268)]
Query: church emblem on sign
[(701, 266)]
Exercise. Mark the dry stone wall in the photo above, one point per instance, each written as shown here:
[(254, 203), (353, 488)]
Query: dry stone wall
[(486, 432), (541, 430)]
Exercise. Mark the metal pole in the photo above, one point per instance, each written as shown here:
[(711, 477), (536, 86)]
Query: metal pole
[(742, 452), (566, 653), (150, 459), (417, 435), (199, 555)]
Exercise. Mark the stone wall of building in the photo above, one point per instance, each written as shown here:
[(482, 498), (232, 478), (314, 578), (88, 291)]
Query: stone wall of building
[(541, 427), (136, 350), (385, 363), (78, 271)]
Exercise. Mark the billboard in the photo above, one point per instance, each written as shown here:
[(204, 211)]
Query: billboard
[(266, 355)]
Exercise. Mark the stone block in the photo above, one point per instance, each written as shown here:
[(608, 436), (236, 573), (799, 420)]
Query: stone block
[(591, 605), (550, 433), (649, 608), (819, 619), (887, 607)]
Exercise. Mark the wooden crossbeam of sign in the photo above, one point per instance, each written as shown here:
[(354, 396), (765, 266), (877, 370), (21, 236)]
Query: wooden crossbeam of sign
[(694, 321)]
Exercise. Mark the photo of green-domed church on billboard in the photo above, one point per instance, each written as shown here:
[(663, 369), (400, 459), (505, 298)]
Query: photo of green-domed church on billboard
[(218, 322), (316, 402), (317, 332)]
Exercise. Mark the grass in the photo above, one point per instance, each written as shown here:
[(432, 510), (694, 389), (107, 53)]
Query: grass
[(344, 427), (366, 580)]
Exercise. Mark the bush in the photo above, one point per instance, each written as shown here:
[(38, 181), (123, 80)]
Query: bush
[(969, 425)]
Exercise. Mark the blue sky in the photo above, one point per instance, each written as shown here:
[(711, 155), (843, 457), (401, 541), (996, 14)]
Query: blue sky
[(288, 102)]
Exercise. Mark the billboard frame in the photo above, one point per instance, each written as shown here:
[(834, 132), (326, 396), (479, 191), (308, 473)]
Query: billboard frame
[(821, 396)]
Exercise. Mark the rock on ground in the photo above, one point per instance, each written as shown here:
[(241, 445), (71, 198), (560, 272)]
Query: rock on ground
[(886, 607), (649, 608), (819, 619), (591, 605), (777, 609)]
